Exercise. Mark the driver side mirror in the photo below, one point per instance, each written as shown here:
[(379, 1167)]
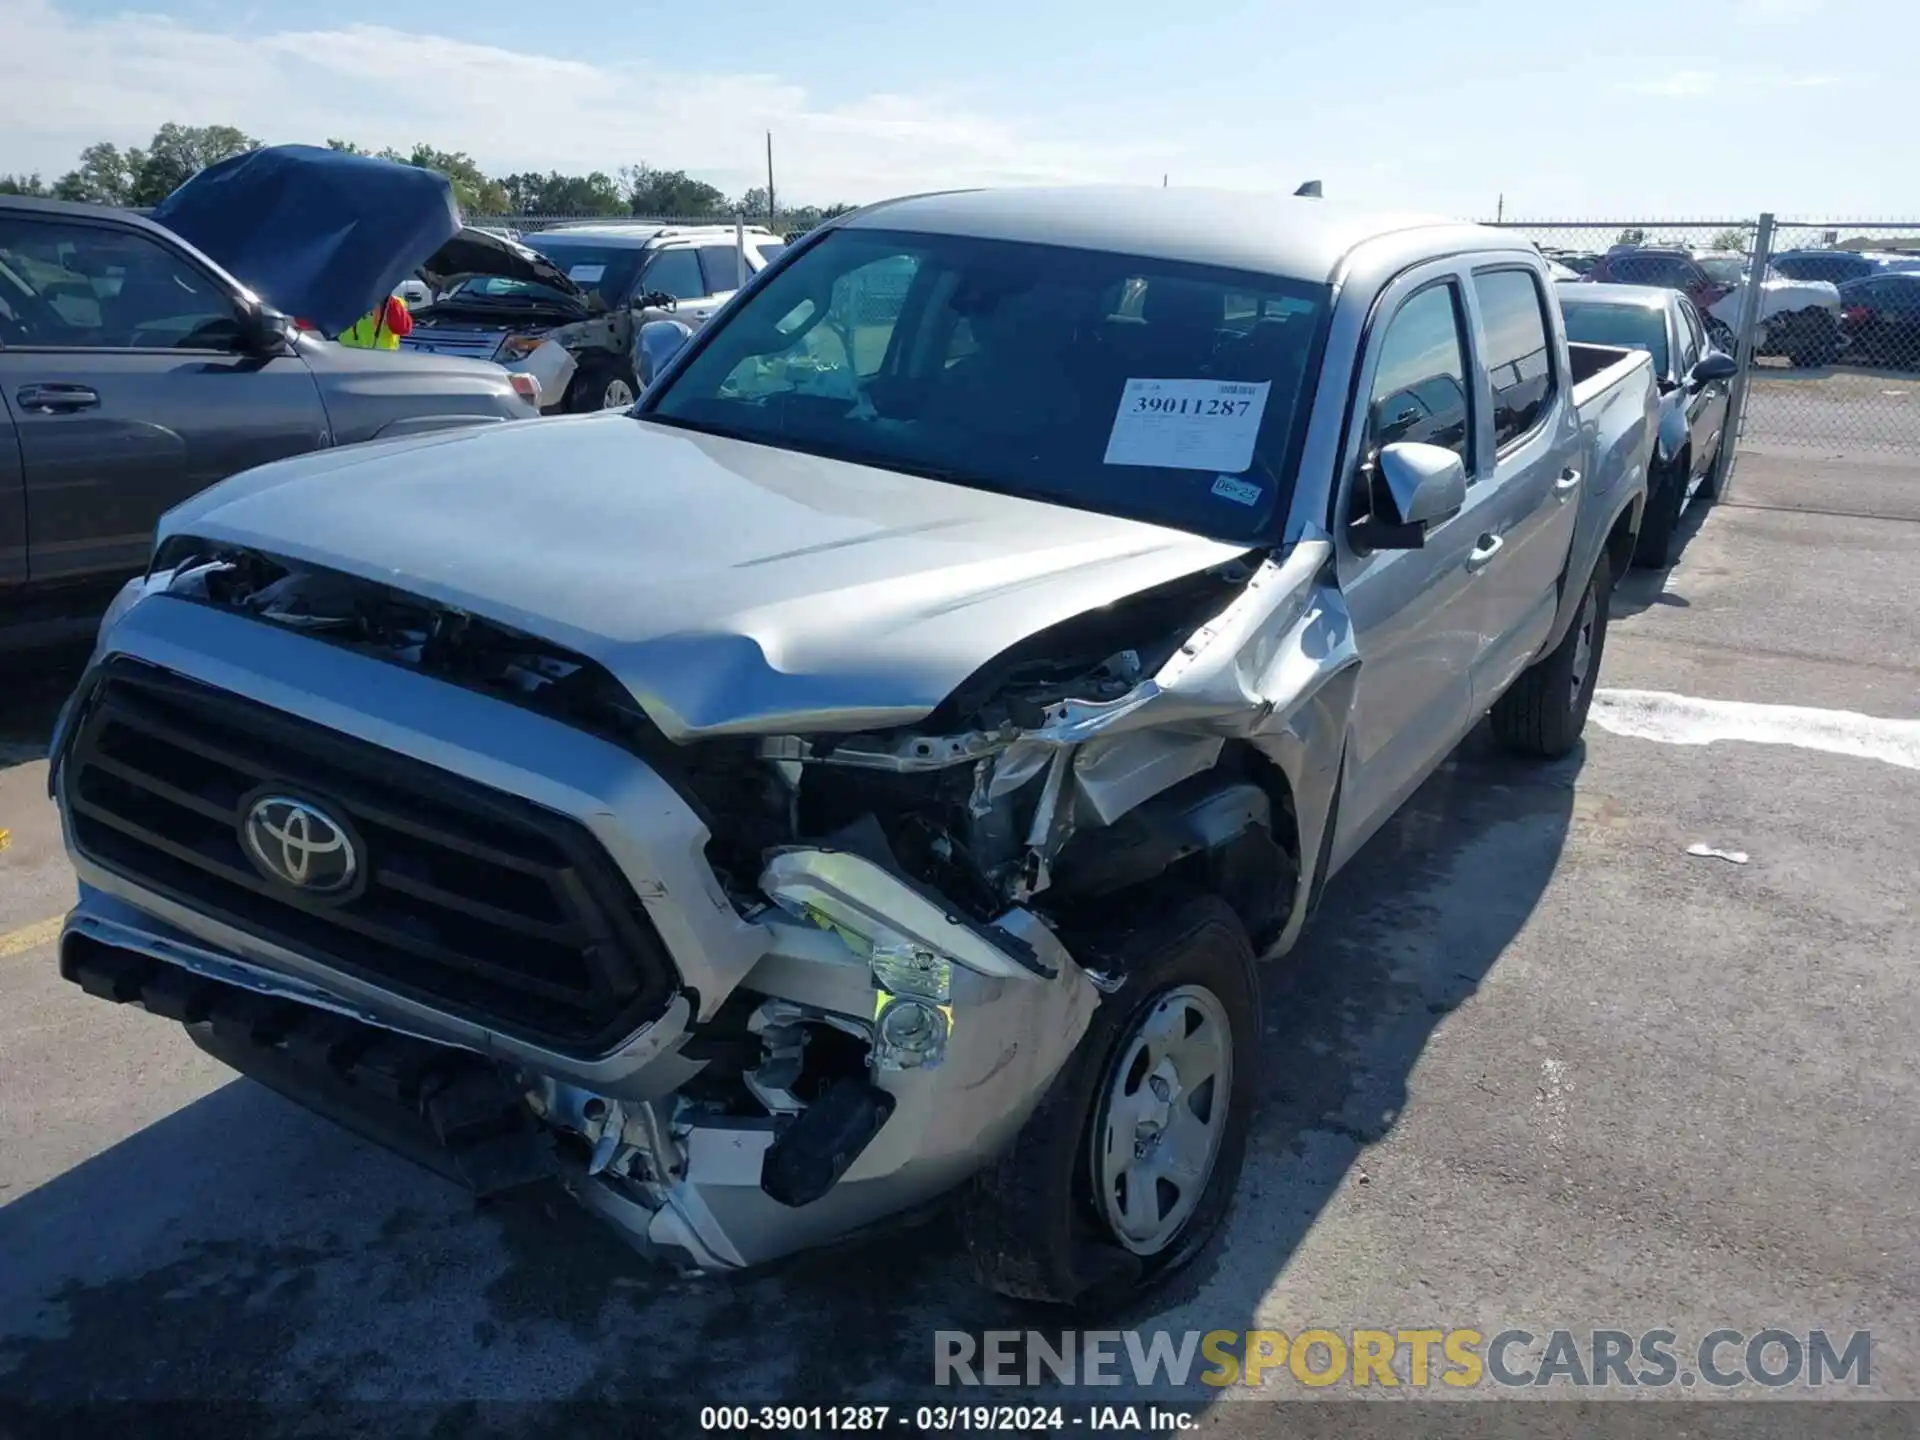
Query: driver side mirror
[(1415, 488), (657, 343), (1717, 366), (264, 331)]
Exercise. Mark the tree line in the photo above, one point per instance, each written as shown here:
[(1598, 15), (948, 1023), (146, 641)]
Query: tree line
[(109, 175)]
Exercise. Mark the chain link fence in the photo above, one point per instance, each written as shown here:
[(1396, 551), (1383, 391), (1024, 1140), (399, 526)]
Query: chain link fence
[(787, 222), (1833, 364)]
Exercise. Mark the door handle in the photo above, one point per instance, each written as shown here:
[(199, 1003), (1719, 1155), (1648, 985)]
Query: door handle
[(1478, 558), (1568, 482), (55, 399)]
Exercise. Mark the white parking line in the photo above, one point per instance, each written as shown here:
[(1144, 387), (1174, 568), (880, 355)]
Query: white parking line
[(1687, 720)]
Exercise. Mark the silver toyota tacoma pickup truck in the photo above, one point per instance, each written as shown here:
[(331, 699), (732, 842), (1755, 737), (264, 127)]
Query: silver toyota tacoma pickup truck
[(869, 770)]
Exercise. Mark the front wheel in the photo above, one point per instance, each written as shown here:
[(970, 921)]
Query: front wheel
[(1544, 711), (607, 386), (1125, 1171)]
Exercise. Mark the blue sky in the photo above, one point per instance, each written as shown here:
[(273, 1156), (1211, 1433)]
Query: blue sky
[(1627, 109)]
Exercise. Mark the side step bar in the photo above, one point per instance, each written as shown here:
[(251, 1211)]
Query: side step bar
[(446, 1109)]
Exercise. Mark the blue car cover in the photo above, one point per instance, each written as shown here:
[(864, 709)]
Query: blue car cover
[(318, 234)]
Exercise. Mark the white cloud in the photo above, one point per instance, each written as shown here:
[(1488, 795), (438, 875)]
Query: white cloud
[(1679, 83), (1698, 84), (66, 82)]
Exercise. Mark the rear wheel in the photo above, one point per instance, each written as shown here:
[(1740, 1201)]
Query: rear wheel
[(1544, 711), (1126, 1169), (1665, 503)]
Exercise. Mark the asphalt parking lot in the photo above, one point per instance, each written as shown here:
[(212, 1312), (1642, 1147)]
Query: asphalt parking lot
[(1845, 410), (1535, 1066)]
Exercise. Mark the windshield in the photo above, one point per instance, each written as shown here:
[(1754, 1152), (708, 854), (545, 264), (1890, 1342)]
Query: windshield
[(1724, 269), (599, 269), (1144, 388), (1831, 268), (1634, 327), (499, 287)]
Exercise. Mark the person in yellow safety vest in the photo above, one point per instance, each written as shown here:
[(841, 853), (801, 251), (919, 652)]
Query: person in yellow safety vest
[(381, 327)]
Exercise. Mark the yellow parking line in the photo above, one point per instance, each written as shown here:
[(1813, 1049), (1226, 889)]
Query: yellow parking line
[(18, 942)]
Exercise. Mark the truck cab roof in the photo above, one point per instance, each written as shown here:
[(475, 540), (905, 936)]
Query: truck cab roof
[(1297, 236), (639, 235)]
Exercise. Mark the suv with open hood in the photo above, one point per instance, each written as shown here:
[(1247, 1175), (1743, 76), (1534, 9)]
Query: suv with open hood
[(567, 303)]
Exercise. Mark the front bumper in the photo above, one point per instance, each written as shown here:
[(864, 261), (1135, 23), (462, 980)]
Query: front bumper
[(622, 1128)]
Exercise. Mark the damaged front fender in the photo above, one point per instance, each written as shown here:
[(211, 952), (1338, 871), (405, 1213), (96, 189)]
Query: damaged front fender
[(712, 1188)]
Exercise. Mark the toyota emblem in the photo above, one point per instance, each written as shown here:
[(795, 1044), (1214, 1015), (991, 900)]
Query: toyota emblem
[(300, 845)]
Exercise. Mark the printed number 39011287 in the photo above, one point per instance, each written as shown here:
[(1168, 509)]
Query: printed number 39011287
[(1190, 405)]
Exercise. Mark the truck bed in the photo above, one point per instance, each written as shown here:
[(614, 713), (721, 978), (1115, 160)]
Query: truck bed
[(1619, 409), (1592, 365)]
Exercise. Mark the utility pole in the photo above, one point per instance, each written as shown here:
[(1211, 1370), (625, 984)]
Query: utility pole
[(1500, 208), (1163, 181), (771, 212)]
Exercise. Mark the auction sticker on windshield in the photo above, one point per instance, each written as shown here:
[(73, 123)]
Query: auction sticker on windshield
[(1188, 424), (586, 274)]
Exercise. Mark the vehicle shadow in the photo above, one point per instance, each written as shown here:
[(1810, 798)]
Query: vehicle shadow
[(33, 687), (1638, 591), (240, 1248)]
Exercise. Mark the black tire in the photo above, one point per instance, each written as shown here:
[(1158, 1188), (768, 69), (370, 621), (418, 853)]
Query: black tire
[(1653, 550), (1813, 339), (1030, 1221), (593, 380), (1544, 711)]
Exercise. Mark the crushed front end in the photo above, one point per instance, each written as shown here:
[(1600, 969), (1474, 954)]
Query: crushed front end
[(717, 1006), (449, 884)]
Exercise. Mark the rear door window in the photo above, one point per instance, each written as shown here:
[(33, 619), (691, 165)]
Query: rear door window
[(1518, 360)]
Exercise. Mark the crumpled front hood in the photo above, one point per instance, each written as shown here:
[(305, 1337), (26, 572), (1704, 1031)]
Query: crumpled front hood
[(731, 587), (476, 253)]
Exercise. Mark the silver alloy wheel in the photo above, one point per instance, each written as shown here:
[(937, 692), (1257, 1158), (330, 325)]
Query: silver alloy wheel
[(618, 396), (1158, 1130), (1583, 642)]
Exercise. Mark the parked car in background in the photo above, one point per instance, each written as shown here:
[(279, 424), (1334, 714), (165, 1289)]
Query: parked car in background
[(586, 287), (872, 766), (1799, 319), (134, 373), (1833, 267), (1880, 319), (1695, 381), (1664, 268), (1578, 261), (1724, 267)]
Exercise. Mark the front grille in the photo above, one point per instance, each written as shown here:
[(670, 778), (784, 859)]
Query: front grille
[(475, 344), (476, 902)]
